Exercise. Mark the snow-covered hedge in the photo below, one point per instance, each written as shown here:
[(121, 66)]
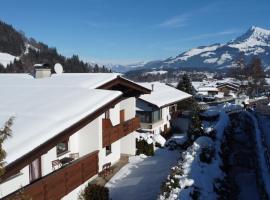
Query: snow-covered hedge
[(195, 177)]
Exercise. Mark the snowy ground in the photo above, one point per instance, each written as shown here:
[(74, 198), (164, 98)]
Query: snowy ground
[(141, 178)]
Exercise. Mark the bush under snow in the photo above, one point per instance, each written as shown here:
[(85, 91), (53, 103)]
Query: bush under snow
[(196, 178)]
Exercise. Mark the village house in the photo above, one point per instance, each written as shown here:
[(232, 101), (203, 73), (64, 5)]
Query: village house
[(227, 87), (66, 127), (155, 109)]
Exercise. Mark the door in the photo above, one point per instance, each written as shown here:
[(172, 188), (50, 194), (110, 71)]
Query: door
[(35, 170)]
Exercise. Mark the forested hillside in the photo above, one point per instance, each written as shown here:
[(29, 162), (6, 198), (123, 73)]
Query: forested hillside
[(29, 52)]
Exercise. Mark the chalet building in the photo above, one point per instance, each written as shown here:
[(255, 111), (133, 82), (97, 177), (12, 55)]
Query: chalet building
[(228, 87), (155, 109), (66, 127), (207, 91)]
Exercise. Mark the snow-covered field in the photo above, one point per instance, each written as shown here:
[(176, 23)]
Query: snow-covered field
[(141, 178), (6, 59)]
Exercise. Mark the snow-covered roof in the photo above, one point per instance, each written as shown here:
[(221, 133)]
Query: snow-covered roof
[(43, 112), (196, 84), (45, 107), (163, 95), (207, 89), (82, 80), (4, 77)]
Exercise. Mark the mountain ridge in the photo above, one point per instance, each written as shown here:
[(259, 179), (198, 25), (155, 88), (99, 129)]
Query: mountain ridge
[(254, 42)]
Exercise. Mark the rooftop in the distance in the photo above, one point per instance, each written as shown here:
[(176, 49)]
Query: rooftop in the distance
[(163, 95)]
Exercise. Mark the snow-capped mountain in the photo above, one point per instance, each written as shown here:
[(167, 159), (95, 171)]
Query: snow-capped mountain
[(124, 68), (255, 42)]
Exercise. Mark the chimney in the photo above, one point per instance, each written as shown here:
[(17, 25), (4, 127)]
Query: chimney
[(42, 70), (152, 85)]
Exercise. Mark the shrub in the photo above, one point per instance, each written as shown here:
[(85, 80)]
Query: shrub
[(94, 192), (144, 148), (158, 145), (207, 154)]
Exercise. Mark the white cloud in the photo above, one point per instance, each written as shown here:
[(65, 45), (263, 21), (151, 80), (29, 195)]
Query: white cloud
[(175, 22)]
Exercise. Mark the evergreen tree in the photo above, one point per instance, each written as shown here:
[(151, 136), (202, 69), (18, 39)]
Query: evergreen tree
[(185, 85), (96, 68), (238, 70), (5, 132), (256, 76), (195, 129)]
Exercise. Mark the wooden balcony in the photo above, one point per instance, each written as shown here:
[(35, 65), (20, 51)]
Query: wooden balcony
[(59, 183), (113, 133)]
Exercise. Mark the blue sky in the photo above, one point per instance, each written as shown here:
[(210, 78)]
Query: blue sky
[(127, 31)]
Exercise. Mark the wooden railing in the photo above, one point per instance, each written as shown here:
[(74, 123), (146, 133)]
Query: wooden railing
[(59, 183), (113, 133)]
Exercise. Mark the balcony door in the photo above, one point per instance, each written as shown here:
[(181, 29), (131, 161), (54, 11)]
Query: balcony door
[(35, 170)]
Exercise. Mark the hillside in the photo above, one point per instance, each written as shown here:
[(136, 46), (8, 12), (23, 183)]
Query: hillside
[(18, 54)]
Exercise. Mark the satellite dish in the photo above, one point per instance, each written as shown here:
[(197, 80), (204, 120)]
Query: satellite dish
[(58, 68)]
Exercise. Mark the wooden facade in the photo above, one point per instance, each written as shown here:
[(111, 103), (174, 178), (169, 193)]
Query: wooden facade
[(59, 183), (112, 133)]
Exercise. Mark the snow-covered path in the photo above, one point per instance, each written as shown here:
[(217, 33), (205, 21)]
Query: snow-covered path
[(142, 177)]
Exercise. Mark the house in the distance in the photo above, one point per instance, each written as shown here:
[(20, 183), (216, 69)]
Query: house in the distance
[(228, 87), (66, 128), (155, 109)]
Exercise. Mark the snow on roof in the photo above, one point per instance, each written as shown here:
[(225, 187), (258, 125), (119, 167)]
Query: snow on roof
[(82, 80), (196, 84), (154, 72), (163, 94), (10, 77), (205, 89), (43, 112)]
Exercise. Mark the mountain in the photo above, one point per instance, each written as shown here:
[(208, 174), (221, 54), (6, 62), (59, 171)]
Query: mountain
[(124, 68), (18, 54), (255, 42)]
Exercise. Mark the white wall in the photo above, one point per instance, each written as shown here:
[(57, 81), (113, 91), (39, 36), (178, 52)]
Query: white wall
[(129, 105), (113, 157), (128, 144), (115, 114), (15, 183)]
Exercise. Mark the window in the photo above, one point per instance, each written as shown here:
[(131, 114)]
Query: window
[(62, 148), (149, 117), (108, 149), (156, 116), (107, 114), (145, 117)]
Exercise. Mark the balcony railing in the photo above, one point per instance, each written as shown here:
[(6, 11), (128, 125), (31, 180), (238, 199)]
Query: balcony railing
[(62, 181), (113, 133)]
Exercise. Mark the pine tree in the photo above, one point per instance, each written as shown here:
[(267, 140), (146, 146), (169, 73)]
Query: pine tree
[(96, 68), (185, 85), (238, 70), (5, 132), (195, 129), (257, 76)]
